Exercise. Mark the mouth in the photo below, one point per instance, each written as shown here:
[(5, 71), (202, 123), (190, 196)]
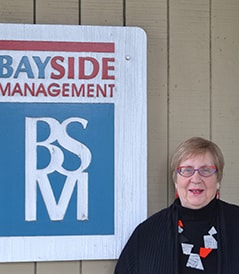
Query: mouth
[(196, 191)]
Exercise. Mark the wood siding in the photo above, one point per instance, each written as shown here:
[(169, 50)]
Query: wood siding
[(193, 85)]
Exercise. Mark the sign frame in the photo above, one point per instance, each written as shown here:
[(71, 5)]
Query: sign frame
[(130, 137)]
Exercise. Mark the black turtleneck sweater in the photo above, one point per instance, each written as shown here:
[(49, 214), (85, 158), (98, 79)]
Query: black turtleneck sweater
[(154, 247), (196, 224)]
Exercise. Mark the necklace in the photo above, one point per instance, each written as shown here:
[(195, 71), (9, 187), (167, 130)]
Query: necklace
[(195, 259)]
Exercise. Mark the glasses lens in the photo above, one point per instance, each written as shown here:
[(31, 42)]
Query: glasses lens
[(186, 171), (206, 171)]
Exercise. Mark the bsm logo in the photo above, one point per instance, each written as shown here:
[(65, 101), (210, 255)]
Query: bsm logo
[(39, 176)]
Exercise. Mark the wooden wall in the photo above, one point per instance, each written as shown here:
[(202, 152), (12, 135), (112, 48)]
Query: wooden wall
[(193, 66)]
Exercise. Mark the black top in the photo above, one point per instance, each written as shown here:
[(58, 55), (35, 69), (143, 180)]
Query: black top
[(196, 224), (153, 247)]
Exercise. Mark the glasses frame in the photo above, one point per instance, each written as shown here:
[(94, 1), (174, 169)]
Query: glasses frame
[(198, 170)]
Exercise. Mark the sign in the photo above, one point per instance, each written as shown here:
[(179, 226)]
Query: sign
[(72, 140)]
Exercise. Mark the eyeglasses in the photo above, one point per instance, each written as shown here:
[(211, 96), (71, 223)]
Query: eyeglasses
[(188, 171)]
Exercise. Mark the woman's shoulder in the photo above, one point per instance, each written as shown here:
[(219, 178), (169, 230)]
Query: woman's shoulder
[(229, 222), (163, 218), (228, 208), (229, 212)]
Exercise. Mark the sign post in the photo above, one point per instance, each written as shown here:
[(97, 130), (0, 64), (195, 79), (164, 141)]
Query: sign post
[(72, 141)]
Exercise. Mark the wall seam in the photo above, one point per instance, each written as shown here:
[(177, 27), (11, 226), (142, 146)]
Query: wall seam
[(79, 8), (210, 66), (35, 268), (168, 101), (124, 13), (34, 11)]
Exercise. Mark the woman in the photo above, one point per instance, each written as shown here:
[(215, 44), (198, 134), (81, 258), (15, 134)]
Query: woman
[(198, 233)]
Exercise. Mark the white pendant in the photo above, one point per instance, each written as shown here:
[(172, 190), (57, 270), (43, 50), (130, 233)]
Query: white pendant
[(187, 248), (194, 261), (212, 231), (180, 229), (210, 242)]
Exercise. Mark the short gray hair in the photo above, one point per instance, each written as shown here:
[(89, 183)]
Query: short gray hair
[(196, 146)]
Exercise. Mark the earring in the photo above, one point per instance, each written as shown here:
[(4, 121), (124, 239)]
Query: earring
[(218, 194)]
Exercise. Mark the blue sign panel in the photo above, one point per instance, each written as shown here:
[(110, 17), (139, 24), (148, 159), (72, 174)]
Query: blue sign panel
[(57, 173)]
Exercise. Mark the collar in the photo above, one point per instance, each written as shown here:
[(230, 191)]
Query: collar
[(188, 214)]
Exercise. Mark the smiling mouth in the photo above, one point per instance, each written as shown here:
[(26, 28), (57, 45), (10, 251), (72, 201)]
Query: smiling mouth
[(196, 191)]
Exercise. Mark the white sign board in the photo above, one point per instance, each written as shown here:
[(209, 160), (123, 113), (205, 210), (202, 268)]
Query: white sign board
[(72, 140)]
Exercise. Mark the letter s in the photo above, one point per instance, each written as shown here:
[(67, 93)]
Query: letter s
[(74, 146)]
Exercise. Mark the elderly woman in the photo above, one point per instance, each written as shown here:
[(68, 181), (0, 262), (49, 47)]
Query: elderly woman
[(198, 233)]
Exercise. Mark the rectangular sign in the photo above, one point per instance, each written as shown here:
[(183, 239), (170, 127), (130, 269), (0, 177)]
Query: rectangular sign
[(72, 140)]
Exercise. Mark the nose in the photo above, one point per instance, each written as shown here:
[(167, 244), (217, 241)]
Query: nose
[(196, 178)]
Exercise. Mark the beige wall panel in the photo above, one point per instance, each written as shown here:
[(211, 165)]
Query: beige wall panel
[(103, 12), (189, 74), (16, 11), (98, 267), (57, 12), (153, 19), (225, 83), (58, 268), (17, 268), (157, 153)]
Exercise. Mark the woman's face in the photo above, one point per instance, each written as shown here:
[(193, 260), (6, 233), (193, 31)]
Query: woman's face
[(197, 191)]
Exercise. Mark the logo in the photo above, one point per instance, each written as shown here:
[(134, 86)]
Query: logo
[(58, 133), (58, 169)]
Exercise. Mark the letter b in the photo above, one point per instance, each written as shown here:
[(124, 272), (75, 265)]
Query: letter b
[(5, 66)]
